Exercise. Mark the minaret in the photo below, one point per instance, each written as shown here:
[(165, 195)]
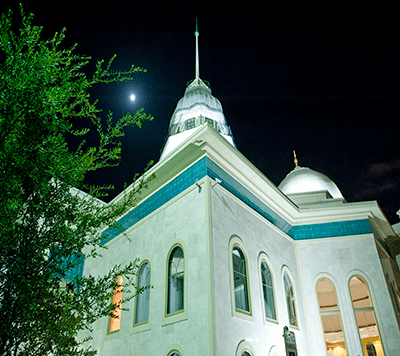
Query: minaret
[(196, 108)]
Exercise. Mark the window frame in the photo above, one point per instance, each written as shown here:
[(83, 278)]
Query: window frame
[(286, 271), (235, 241), (244, 346), (119, 310), (264, 258), (337, 311), (146, 325), (174, 348), (372, 308), (180, 315)]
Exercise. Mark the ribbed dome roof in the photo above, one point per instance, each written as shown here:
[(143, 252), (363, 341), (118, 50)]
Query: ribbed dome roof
[(306, 180), (198, 94), (198, 101)]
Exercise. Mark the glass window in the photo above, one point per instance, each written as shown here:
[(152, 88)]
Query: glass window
[(240, 280), (115, 322), (175, 280), (268, 291), (143, 299), (190, 124), (291, 307), (331, 318), (245, 354), (365, 317)]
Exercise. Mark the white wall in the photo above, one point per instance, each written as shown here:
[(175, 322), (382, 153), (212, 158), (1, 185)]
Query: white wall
[(183, 220), (338, 259), (231, 217)]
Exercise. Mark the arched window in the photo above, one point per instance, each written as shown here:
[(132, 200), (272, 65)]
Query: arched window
[(240, 280), (115, 321), (268, 291), (143, 299), (290, 302), (330, 316), (244, 348), (365, 317), (175, 281)]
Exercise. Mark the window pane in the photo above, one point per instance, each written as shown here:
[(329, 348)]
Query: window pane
[(245, 354), (175, 281), (268, 292), (240, 279), (290, 300), (333, 334), (115, 322), (143, 299), (365, 317)]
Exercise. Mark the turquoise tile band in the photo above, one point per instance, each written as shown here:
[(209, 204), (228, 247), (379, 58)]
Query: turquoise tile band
[(206, 166)]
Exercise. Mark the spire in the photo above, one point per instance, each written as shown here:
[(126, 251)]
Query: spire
[(197, 52), (296, 162)]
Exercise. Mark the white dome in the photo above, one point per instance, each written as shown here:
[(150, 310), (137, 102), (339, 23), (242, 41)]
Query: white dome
[(306, 180), (197, 107)]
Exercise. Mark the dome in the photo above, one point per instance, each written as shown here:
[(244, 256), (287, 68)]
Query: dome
[(196, 108), (197, 102), (306, 180)]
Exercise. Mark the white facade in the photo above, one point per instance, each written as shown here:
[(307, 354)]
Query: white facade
[(233, 203), (211, 205)]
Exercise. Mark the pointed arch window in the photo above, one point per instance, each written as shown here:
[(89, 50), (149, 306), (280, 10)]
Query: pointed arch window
[(290, 302), (143, 299), (268, 291), (176, 265), (115, 321), (330, 316), (240, 280), (365, 317)]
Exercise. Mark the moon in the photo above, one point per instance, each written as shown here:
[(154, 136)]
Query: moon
[(133, 97)]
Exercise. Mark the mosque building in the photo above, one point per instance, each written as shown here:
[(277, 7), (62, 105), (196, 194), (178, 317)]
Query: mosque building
[(241, 267)]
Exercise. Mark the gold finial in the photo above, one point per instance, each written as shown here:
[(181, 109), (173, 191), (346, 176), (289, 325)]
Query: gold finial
[(296, 162)]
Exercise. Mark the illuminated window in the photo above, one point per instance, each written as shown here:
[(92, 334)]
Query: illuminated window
[(290, 302), (365, 317), (268, 291), (115, 321), (175, 281), (331, 318), (240, 280), (143, 299)]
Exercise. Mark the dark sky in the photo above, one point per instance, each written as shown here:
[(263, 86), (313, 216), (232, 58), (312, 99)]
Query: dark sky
[(322, 80)]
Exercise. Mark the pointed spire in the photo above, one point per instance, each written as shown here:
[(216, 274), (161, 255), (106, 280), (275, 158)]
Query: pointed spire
[(197, 52), (296, 162)]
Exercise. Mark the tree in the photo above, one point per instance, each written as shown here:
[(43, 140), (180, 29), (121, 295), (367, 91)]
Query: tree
[(46, 223)]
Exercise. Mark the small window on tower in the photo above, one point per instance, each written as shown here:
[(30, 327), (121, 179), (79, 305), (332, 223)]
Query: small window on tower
[(190, 124), (210, 121)]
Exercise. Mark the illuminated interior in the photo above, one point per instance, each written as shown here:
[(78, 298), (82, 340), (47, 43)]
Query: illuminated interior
[(331, 319), (365, 316), (115, 322)]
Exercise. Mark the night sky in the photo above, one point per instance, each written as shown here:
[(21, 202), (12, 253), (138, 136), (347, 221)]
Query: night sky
[(321, 80)]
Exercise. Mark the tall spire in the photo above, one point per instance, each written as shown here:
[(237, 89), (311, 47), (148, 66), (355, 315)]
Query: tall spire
[(197, 52)]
